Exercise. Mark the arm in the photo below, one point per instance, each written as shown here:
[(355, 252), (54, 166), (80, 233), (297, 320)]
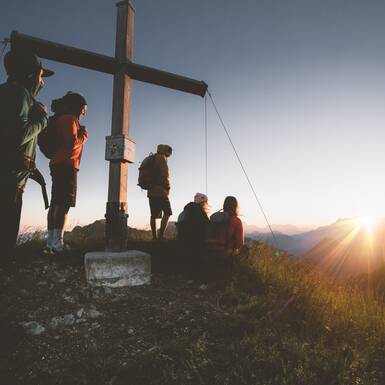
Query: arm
[(28, 128), (82, 134), (239, 236), (73, 136), (164, 175), (235, 233)]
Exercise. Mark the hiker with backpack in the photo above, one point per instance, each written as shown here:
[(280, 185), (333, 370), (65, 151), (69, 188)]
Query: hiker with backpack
[(67, 138), (226, 230), (22, 118), (154, 177)]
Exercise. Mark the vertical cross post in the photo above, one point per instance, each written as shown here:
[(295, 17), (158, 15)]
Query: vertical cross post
[(116, 212)]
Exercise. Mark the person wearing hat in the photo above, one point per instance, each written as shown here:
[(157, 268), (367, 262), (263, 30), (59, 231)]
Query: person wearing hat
[(22, 118), (65, 164), (192, 227), (192, 221), (158, 193)]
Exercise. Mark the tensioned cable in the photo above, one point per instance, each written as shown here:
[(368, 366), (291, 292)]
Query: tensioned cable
[(243, 168), (206, 147)]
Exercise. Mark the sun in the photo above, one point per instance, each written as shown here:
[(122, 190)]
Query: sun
[(367, 222)]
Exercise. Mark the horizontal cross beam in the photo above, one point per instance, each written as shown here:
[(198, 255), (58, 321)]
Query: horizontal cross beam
[(102, 63)]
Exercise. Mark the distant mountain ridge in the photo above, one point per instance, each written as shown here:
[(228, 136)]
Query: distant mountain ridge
[(285, 229), (345, 248), (299, 244)]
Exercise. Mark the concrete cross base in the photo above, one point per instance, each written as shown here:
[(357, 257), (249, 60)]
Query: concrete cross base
[(117, 269)]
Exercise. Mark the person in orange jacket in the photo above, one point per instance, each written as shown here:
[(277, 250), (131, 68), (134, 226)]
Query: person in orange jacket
[(65, 164)]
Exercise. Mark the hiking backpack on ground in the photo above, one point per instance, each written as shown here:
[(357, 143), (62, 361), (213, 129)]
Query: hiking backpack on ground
[(146, 176)]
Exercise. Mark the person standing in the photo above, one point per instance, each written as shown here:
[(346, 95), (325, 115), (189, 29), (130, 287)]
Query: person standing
[(22, 118), (158, 193), (64, 165)]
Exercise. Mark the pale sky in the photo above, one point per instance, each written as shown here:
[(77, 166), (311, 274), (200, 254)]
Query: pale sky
[(300, 85)]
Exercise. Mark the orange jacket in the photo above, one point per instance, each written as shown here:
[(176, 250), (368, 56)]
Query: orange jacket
[(71, 138)]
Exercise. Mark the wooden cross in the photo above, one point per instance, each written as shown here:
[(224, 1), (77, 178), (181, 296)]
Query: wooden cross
[(119, 148)]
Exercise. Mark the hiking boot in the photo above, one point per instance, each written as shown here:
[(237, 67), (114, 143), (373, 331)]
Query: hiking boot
[(60, 248), (48, 250)]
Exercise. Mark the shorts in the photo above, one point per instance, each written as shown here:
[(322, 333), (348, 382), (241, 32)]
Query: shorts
[(159, 205), (64, 185)]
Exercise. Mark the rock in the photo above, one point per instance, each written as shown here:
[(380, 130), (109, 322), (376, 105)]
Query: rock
[(68, 298), (118, 269), (80, 312), (66, 320), (33, 328), (93, 313), (107, 290), (203, 287)]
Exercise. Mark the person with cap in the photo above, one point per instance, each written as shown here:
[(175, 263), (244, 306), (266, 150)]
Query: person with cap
[(192, 227), (158, 193), (65, 163), (193, 220), (22, 118)]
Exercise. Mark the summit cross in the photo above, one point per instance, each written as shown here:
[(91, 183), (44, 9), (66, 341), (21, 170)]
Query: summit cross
[(120, 149)]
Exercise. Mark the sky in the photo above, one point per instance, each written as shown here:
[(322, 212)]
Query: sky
[(300, 85)]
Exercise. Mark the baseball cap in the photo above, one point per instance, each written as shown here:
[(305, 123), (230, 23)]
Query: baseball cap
[(21, 62)]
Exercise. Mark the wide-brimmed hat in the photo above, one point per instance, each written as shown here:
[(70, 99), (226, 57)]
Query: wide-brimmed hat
[(21, 62)]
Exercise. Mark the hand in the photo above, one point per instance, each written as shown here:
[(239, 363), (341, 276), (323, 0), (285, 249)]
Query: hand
[(42, 107), (82, 130), (37, 112)]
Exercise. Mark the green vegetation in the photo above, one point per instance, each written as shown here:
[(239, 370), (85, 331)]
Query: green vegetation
[(264, 319), (328, 333)]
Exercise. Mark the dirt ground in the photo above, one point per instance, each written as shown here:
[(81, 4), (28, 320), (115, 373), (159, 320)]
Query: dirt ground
[(56, 329)]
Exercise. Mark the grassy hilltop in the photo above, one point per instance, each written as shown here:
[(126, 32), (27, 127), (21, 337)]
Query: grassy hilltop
[(261, 319)]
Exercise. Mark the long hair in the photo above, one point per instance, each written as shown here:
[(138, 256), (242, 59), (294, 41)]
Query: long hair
[(230, 206), (205, 207)]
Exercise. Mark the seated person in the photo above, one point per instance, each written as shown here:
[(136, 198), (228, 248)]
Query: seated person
[(193, 221), (226, 230), (192, 230)]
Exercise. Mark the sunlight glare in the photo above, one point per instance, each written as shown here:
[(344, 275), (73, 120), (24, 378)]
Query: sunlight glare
[(367, 222)]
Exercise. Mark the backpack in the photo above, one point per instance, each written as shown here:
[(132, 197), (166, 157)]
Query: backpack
[(147, 172), (219, 223), (48, 140)]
